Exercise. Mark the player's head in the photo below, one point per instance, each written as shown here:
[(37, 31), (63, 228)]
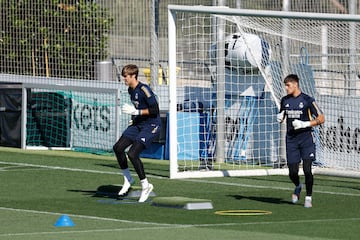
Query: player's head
[(291, 78), (130, 69), (292, 84)]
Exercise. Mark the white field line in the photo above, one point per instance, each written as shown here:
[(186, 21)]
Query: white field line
[(187, 180), (81, 216), (156, 226), (59, 168)]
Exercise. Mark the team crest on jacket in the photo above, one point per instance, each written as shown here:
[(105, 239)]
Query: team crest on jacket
[(301, 105)]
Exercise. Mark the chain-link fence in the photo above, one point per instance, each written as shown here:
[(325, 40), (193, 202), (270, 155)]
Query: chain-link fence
[(130, 37), (68, 38)]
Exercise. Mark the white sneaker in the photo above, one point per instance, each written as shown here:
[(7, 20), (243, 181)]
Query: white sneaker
[(296, 195), (125, 188), (145, 192), (308, 203), (294, 198)]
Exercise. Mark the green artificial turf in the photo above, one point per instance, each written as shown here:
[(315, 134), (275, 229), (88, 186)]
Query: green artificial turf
[(38, 187)]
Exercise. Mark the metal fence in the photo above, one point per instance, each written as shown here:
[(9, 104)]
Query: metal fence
[(130, 38), (139, 28)]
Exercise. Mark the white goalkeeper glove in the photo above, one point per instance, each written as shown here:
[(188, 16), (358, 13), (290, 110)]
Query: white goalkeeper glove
[(130, 109), (297, 124), (280, 116)]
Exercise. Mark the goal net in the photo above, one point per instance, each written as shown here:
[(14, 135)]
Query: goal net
[(224, 101), (77, 115)]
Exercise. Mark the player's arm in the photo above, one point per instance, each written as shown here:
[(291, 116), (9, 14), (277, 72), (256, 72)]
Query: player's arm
[(153, 106), (147, 97), (281, 115), (152, 110), (319, 119)]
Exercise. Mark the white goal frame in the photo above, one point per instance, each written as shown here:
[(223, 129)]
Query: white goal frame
[(172, 14)]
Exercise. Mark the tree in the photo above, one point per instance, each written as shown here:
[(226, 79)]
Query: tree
[(56, 38)]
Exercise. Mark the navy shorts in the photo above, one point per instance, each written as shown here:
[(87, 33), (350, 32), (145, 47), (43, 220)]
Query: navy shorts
[(143, 133), (300, 147)]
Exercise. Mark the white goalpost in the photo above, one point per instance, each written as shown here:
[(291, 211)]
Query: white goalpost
[(224, 99)]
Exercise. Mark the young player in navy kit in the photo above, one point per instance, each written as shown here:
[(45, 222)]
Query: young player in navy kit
[(145, 127), (301, 113)]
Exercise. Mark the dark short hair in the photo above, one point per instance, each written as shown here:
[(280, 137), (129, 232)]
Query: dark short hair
[(130, 69), (291, 78)]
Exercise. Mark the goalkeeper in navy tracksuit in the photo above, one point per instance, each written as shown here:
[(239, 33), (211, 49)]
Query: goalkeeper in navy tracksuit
[(301, 113), (145, 127)]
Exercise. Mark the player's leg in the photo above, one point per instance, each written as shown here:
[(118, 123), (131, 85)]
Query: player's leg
[(119, 149), (294, 177), (308, 151), (309, 182), (134, 156), (294, 173), (293, 161), (309, 178), (148, 133)]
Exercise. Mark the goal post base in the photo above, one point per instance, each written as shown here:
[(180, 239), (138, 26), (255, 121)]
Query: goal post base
[(336, 172), (229, 173)]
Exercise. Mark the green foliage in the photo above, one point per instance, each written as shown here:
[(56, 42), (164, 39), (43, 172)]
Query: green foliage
[(56, 38)]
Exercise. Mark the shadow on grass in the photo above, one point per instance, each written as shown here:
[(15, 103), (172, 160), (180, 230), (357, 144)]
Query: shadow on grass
[(107, 191), (85, 192), (262, 199)]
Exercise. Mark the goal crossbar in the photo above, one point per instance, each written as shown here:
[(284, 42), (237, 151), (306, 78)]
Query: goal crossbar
[(264, 13)]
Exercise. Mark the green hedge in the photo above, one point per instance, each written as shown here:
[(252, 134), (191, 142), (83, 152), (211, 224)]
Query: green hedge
[(53, 38)]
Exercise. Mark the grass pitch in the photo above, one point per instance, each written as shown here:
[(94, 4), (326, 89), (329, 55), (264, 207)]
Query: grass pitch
[(37, 187)]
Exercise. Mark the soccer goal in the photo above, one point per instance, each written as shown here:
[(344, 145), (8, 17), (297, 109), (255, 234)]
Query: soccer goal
[(77, 115), (224, 101)]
